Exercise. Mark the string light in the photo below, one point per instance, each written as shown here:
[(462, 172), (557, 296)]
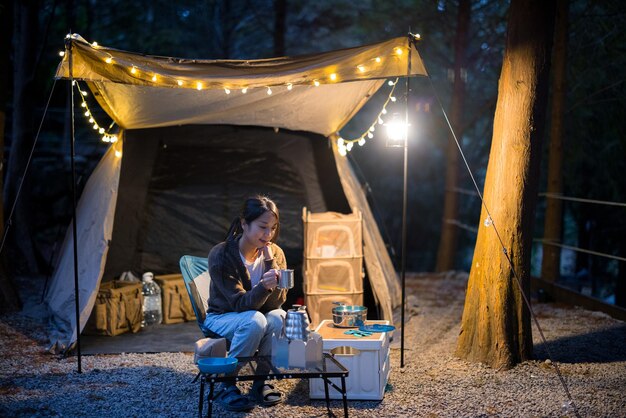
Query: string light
[(345, 145), (105, 136), (165, 80), (61, 53)]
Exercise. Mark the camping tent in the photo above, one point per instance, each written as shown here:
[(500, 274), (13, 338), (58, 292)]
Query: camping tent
[(195, 135)]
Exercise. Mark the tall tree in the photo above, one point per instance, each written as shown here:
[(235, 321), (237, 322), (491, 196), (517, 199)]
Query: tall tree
[(552, 230), (495, 327), (448, 241), (9, 300), (25, 25)]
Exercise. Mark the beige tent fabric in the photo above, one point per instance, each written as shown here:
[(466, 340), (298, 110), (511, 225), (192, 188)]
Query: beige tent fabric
[(382, 275), (316, 93), (94, 227)]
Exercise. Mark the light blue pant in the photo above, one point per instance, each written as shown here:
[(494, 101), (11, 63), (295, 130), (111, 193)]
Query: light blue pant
[(247, 331)]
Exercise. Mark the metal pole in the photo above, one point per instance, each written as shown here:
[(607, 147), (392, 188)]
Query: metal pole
[(68, 48), (404, 198)]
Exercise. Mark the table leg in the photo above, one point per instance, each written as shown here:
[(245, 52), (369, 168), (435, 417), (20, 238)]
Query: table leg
[(327, 395), (345, 396), (201, 400), (211, 388)]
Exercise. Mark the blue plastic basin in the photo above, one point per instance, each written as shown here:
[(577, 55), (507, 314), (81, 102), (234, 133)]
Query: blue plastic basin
[(214, 365)]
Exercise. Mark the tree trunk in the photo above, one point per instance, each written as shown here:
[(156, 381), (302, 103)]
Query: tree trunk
[(449, 231), (495, 328), (552, 230), (9, 298), (25, 33), (280, 15)]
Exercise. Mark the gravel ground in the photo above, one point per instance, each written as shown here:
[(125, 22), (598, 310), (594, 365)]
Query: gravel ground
[(589, 347)]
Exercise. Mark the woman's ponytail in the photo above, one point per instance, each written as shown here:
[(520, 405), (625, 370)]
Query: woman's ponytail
[(235, 228)]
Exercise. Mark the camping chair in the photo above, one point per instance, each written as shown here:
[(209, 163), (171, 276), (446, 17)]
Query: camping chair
[(197, 281)]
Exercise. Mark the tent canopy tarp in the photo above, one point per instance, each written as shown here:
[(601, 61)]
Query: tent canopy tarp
[(140, 91)]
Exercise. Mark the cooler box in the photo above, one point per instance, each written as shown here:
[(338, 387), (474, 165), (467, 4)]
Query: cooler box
[(174, 299), (369, 370)]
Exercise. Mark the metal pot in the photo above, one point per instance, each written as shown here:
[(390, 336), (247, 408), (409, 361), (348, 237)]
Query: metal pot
[(349, 316)]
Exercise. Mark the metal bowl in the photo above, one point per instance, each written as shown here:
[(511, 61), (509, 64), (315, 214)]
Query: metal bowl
[(349, 316)]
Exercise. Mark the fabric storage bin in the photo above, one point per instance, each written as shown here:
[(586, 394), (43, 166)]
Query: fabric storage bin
[(320, 305), (335, 275), (332, 234), (175, 300), (118, 309)]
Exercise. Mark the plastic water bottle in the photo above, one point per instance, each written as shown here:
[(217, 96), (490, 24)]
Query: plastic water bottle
[(152, 311)]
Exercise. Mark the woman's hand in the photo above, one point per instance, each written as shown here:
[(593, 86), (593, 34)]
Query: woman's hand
[(270, 279), (267, 252)]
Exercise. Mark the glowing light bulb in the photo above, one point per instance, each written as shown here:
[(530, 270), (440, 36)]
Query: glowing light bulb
[(244, 90), (95, 126), (333, 77), (61, 53), (391, 83), (133, 70), (349, 146), (179, 82), (87, 113), (372, 128), (340, 142), (91, 120), (109, 60), (199, 86), (370, 135), (94, 43), (342, 151), (378, 59), (398, 51), (269, 91), (118, 154), (384, 112), (317, 83), (83, 92), (393, 99), (380, 121), (101, 130), (114, 139), (361, 68), (361, 142), (289, 86), (227, 91), (397, 129), (154, 78), (83, 104)]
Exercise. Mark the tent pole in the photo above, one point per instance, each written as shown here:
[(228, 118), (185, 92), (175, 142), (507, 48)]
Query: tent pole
[(404, 197), (68, 48)]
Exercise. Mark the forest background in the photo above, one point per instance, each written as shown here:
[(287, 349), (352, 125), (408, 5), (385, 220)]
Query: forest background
[(594, 145)]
